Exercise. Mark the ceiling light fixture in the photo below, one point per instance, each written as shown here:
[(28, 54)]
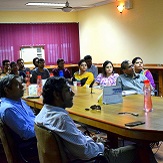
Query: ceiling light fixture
[(45, 4)]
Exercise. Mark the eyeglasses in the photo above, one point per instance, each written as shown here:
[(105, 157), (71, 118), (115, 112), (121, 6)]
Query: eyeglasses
[(130, 66)]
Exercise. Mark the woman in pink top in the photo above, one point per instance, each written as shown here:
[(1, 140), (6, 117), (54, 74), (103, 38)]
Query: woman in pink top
[(107, 77)]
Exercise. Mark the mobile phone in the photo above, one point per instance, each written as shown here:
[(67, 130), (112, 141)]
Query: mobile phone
[(136, 123)]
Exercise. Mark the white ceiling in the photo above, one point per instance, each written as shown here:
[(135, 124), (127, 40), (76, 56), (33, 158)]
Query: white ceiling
[(19, 5)]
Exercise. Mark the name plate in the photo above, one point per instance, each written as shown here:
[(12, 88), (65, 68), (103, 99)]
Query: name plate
[(112, 95), (32, 90)]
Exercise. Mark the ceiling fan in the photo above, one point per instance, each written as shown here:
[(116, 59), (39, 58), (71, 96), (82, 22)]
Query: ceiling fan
[(68, 8)]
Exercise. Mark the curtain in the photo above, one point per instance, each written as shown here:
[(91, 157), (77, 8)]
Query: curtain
[(60, 40)]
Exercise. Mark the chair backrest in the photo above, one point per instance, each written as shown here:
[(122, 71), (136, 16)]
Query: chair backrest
[(9, 144), (49, 146)]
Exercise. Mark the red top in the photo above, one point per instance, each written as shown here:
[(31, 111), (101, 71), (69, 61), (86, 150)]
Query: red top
[(38, 76)]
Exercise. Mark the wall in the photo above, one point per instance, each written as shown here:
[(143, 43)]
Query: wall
[(107, 34), (27, 17)]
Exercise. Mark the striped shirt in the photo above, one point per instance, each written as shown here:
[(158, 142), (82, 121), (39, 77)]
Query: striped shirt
[(76, 144)]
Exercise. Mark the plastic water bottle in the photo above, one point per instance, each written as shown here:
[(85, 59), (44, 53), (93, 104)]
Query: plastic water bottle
[(51, 75), (79, 83), (27, 80), (61, 73), (147, 96), (39, 85)]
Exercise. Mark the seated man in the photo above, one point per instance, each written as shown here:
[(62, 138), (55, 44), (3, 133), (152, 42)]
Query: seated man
[(35, 62), (22, 68), (6, 67), (129, 80), (14, 112), (91, 67), (65, 71), (57, 95), (40, 70)]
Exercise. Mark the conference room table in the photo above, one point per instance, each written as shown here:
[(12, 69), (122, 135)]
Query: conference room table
[(109, 119)]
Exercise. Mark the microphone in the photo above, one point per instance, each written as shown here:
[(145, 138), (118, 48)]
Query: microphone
[(91, 86)]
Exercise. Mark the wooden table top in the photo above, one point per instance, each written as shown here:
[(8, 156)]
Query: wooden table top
[(108, 118)]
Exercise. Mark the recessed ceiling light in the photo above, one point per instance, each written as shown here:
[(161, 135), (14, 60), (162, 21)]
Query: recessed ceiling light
[(45, 4)]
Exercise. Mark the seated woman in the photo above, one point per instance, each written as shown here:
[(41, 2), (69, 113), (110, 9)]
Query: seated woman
[(85, 78), (138, 66), (107, 77)]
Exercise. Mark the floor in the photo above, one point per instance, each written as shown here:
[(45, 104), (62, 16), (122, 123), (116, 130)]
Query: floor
[(158, 151)]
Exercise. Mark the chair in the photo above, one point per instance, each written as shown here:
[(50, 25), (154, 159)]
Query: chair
[(50, 148), (8, 143), (16, 153)]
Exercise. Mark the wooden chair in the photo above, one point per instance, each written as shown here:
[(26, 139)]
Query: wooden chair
[(15, 152), (8, 143), (50, 148)]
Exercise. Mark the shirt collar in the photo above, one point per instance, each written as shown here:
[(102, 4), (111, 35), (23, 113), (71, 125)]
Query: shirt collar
[(10, 100), (55, 108)]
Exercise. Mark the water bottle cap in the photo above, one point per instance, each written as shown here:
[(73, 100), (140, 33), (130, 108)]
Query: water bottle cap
[(51, 74), (146, 81), (38, 76)]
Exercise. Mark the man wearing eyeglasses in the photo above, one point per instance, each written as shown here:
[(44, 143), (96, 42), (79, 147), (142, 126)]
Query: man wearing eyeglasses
[(6, 67), (129, 80)]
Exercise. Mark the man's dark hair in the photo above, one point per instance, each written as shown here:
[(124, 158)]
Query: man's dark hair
[(20, 59), (87, 57), (12, 63), (6, 82), (124, 64), (41, 60), (60, 60), (135, 59), (4, 61), (34, 59), (104, 66), (80, 62), (52, 84)]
